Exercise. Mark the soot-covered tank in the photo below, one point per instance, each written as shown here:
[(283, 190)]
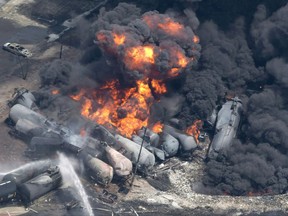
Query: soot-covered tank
[(40, 185), (7, 191), (227, 124)]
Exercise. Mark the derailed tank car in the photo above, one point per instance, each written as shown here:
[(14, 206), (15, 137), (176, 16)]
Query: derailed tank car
[(30, 181), (227, 124), (26, 172), (7, 191), (24, 97), (40, 185), (98, 170)]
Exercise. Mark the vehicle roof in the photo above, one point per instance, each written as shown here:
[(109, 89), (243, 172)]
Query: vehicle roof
[(15, 44)]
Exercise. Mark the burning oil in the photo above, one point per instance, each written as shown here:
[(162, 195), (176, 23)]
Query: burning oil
[(68, 172)]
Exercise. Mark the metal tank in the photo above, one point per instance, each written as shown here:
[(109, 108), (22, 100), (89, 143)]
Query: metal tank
[(40, 185), (101, 133), (150, 136), (131, 151), (121, 164), (7, 191), (212, 118), (226, 126), (170, 144), (47, 143), (96, 169), (28, 128), (24, 97), (187, 143), (26, 172), (156, 151), (137, 139), (19, 111), (160, 154)]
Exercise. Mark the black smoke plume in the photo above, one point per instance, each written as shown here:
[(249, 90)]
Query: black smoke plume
[(257, 164), (244, 50), (150, 45)]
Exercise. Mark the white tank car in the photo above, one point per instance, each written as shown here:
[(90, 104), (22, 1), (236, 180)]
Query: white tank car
[(187, 143), (131, 151), (226, 126), (19, 111)]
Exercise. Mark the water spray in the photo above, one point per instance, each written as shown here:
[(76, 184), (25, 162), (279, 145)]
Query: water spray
[(68, 172)]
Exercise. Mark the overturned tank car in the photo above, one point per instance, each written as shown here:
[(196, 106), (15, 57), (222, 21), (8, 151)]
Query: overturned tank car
[(30, 181), (40, 185), (228, 120), (7, 191)]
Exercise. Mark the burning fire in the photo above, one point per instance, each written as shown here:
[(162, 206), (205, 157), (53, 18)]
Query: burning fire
[(162, 53), (78, 96), (55, 92), (136, 57), (194, 129), (196, 39), (158, 127), (119, 39), (160, 56), (181, 62), (166, 24), (158, 86), (126, 110)]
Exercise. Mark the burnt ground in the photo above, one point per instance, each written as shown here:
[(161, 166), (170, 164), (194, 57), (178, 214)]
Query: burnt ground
[(174, 183)]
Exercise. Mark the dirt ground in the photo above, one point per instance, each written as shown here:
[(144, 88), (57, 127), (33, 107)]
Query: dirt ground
[(10, 78), (178, 198)]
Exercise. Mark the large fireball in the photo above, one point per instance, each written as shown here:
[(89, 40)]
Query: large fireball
[(151, 49)]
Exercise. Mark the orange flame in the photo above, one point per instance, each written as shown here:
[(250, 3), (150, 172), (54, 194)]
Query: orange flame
[(179, 61), (118, 39), (55, 91), (78, 96), (168, 25), (143, 56), (110, 41), (137, 57), (127, 110), (101, 36), (158, 127), (158, 86), (194, 129), (196, 39)]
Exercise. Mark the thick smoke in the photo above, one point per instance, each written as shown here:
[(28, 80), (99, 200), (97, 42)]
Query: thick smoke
[(151, 45), (247, 56), (66, 75), (258, 164), (226, 64), (270, 35)]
